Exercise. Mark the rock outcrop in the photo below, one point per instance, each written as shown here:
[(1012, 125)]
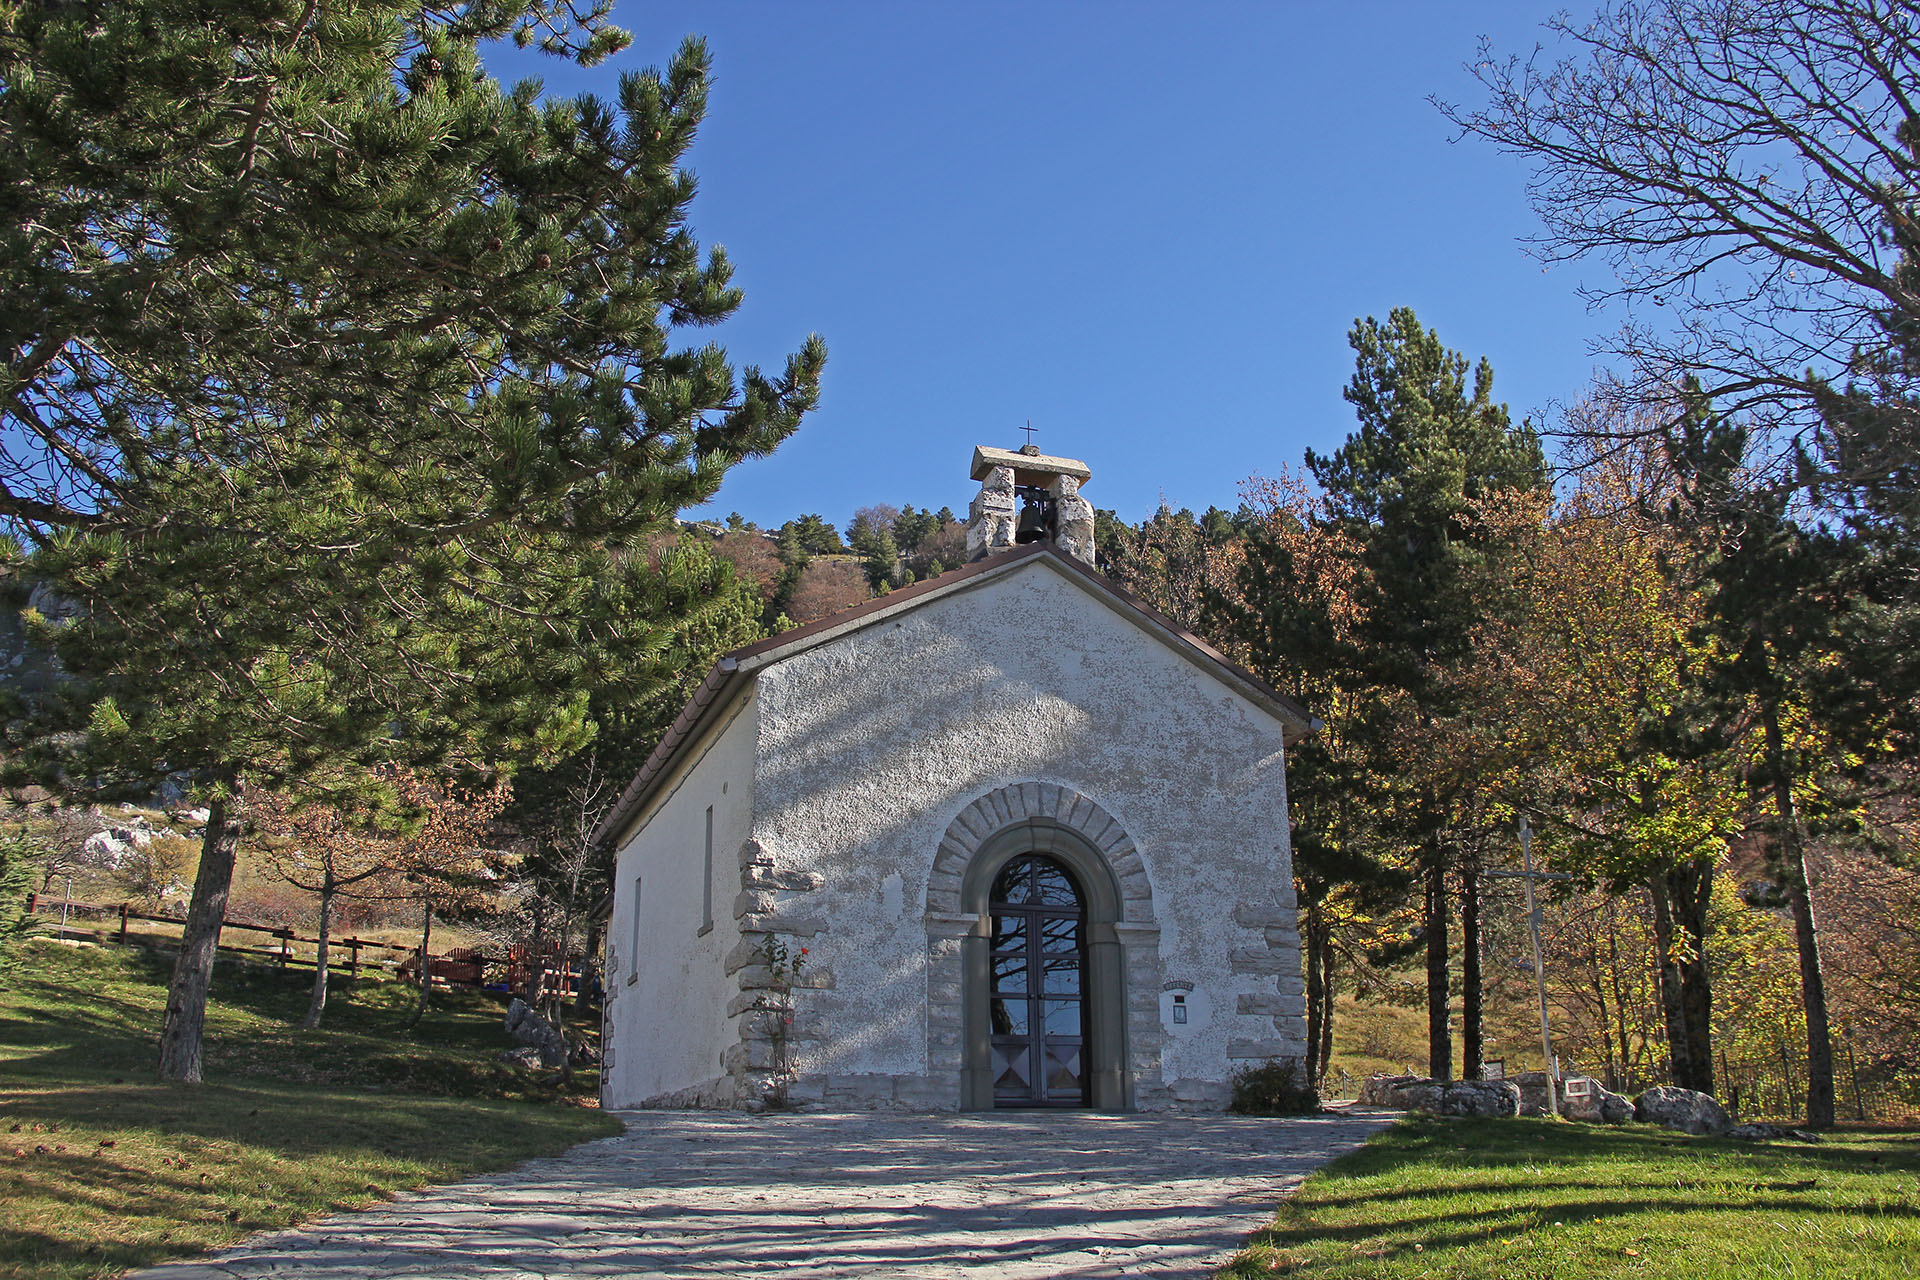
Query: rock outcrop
[(1497, 1099), (1494, 1099), (529, 1028), (1598, 1106), (1533, 1092), (1682, 1109), (109, 848)]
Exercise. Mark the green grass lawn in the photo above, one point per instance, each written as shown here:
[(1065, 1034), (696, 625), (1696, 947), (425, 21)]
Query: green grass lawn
[(102, 1169), (1534, 1199)]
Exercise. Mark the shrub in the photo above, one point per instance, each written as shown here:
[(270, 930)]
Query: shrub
[(1277, 1087)]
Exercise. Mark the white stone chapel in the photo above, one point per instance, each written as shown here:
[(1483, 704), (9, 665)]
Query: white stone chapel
[(1002, 838)]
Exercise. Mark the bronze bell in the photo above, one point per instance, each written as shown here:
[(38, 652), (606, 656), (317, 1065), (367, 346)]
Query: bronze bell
[(1034, 524)]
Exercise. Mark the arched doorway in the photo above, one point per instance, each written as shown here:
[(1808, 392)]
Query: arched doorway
[(1037, 1005), (1037, 895)]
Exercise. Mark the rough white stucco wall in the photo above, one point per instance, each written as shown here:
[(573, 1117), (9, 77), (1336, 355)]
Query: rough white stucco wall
[(870, 744), (666, 1012)]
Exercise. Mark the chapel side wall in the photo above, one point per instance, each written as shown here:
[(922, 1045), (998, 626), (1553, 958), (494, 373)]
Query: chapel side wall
[(667, 1018), (869, 747)]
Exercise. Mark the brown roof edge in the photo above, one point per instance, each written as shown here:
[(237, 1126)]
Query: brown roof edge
[(892, 600), (743, 662), (684, 726)]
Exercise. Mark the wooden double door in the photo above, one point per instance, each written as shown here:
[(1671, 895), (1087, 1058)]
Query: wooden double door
[(1037, 1004)]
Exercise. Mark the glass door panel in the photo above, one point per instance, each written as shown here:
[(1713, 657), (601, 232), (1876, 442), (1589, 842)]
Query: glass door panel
[(1035, 1008)]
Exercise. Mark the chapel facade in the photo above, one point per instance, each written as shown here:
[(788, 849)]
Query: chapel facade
[(1004, 838)]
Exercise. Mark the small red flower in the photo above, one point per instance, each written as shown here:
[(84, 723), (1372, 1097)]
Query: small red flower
[(803, 951)]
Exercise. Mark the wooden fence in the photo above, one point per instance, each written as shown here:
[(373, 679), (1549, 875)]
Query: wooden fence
[(106, 922)]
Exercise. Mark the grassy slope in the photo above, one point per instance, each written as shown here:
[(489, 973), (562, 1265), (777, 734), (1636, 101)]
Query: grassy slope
[(101, 1169), (1530, 1198)]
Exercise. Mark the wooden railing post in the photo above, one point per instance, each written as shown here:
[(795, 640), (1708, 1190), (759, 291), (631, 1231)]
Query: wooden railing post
[(123, 924), (33, 900), (353, 956)]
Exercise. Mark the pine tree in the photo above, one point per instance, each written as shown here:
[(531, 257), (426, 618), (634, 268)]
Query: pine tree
[(813, 536), (338, 376), (871, 536), (1430, 446), (556, 807), (20, 857), (1783, 605)]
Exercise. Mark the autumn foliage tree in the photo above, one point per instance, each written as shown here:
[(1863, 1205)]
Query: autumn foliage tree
[(327, 851), (452, 863), (1589, 678)]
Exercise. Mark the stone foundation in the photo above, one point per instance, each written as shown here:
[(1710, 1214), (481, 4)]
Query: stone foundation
[(712, 1095)]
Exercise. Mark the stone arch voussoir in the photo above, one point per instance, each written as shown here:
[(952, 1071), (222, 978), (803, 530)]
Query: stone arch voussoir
[(990, 828), (1022, 803)]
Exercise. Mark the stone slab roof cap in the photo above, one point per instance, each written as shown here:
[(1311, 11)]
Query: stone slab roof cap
[(1028, 468)]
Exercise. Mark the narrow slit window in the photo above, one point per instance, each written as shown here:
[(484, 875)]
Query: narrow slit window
[(633, 939), (706, 878)]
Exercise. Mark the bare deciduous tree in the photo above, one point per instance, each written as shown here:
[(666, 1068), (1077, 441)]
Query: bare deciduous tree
[(561, 875), (1746, 169), (324, 850)]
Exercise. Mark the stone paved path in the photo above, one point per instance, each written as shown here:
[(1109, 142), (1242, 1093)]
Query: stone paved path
[(824, 1197)]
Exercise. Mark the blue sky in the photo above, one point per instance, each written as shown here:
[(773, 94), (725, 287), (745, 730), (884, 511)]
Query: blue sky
[(1145, 228)]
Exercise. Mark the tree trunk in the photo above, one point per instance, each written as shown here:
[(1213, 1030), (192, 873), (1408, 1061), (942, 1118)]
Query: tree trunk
[(1691, 892), (1315, 984), (182, 1025), (319, 1002), (1325, 1046), (426, 967), (536, 945), (1617, 1083), (1439, 1037), (1472, 1030), (1679, 1044), (557, 998), (1597, 973), (589, 971), (1790, 860)]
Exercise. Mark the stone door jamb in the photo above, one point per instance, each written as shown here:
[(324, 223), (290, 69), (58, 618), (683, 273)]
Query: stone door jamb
[(1123, 942)]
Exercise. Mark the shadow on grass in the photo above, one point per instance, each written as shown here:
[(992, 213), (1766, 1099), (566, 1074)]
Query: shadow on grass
[(88, 1011), (1537, 1144), (1430, 1186), (102, 1169), (288, 1119), (131, 1175)]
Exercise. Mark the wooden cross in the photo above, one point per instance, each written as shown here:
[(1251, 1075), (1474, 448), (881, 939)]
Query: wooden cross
[(1528, 877)]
